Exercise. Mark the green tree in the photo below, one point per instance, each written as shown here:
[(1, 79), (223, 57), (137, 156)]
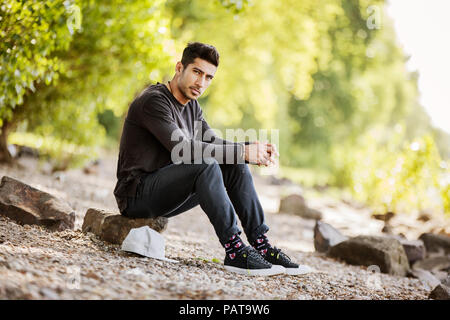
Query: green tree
[(31, 33), (269, 52), (119, 46)]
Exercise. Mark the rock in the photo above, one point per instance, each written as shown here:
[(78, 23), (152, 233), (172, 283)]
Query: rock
[(386, 253), (433, 264), (384, 217), (325, 236), (424, 216), (92, 167), (443, 277), (439, 243), (414, 249), (93, 220), (273, 180), (27, 205), (426, 277), (387, 229), (292, 202), (25, 151), (295, 204), (446, 281), (18, 151), (114, 228), (49, 294), (441, 292)]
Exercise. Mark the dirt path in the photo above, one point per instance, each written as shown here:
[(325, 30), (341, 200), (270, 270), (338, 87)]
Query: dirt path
[(37, 264)]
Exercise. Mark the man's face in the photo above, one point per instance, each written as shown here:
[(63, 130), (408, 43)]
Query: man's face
[(195, 78)]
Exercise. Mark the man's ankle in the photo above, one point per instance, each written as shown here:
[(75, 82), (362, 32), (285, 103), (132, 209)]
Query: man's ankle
[(261, 244), (234, 245)]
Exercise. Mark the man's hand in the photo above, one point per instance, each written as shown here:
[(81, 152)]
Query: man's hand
[(261, 153)]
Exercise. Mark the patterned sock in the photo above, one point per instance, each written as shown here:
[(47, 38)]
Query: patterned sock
[(234, 245), (261, 244)]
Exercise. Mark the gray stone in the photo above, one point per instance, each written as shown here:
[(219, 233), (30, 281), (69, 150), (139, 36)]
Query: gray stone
[(441, 292), (386, 253), (426, 277), (113, 228), (295, 204), (415, 250), (433, 264), (439, 243), (28, 205), (325, 236), (279, 181)]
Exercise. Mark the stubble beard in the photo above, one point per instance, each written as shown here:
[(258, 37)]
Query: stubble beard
[(184, 90)]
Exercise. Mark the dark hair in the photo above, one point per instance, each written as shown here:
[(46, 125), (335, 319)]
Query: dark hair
[(200, 50)]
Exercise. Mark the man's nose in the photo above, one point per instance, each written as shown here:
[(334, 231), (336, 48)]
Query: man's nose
[(200, 81)]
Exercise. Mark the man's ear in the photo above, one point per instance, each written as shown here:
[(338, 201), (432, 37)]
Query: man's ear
[(179, 67)]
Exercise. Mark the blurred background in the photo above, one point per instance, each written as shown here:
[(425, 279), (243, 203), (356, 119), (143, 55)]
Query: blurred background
[(358, 89)]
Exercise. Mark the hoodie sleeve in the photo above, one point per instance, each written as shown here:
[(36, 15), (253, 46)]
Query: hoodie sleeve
[(157, 118)]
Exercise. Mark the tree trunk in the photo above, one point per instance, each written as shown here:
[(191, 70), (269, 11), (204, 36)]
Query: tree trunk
[(8, 127), (5, 155)]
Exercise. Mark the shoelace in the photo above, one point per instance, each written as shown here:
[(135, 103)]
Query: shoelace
[(255, 254), (281, 253)]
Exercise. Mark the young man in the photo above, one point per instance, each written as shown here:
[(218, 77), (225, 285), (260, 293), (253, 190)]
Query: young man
[(153, 181)]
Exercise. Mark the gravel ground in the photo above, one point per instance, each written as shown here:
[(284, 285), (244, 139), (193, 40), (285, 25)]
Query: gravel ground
[(37, 264)]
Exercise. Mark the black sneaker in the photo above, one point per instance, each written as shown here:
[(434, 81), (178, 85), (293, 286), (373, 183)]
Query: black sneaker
[(248, 261), (277, 257)]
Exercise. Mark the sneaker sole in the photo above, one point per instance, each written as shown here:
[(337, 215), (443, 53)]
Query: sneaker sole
[(257, 272), (300, 270)]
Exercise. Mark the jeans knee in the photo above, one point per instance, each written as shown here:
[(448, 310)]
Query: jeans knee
[(210, 164), (242, 168), (210, 161)]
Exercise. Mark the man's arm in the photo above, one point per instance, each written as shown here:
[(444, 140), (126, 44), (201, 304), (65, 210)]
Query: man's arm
[(209, 136), (158, 119), (265, 157)]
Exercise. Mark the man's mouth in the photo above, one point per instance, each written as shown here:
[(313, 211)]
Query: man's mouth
[(196, 92)]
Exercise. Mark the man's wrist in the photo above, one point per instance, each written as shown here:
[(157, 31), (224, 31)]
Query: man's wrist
[(242, 156)]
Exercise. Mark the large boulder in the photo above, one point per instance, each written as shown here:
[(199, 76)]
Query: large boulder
[(28, 205), (436, 243), (325, 236), (113, 228), (386, 253), (441, 292), (296, 204)]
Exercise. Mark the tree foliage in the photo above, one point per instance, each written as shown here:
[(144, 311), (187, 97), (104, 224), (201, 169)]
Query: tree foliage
[(31, 33), (118, 46), (329, 75)]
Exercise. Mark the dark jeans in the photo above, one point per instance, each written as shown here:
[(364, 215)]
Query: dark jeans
[(222, 190)]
